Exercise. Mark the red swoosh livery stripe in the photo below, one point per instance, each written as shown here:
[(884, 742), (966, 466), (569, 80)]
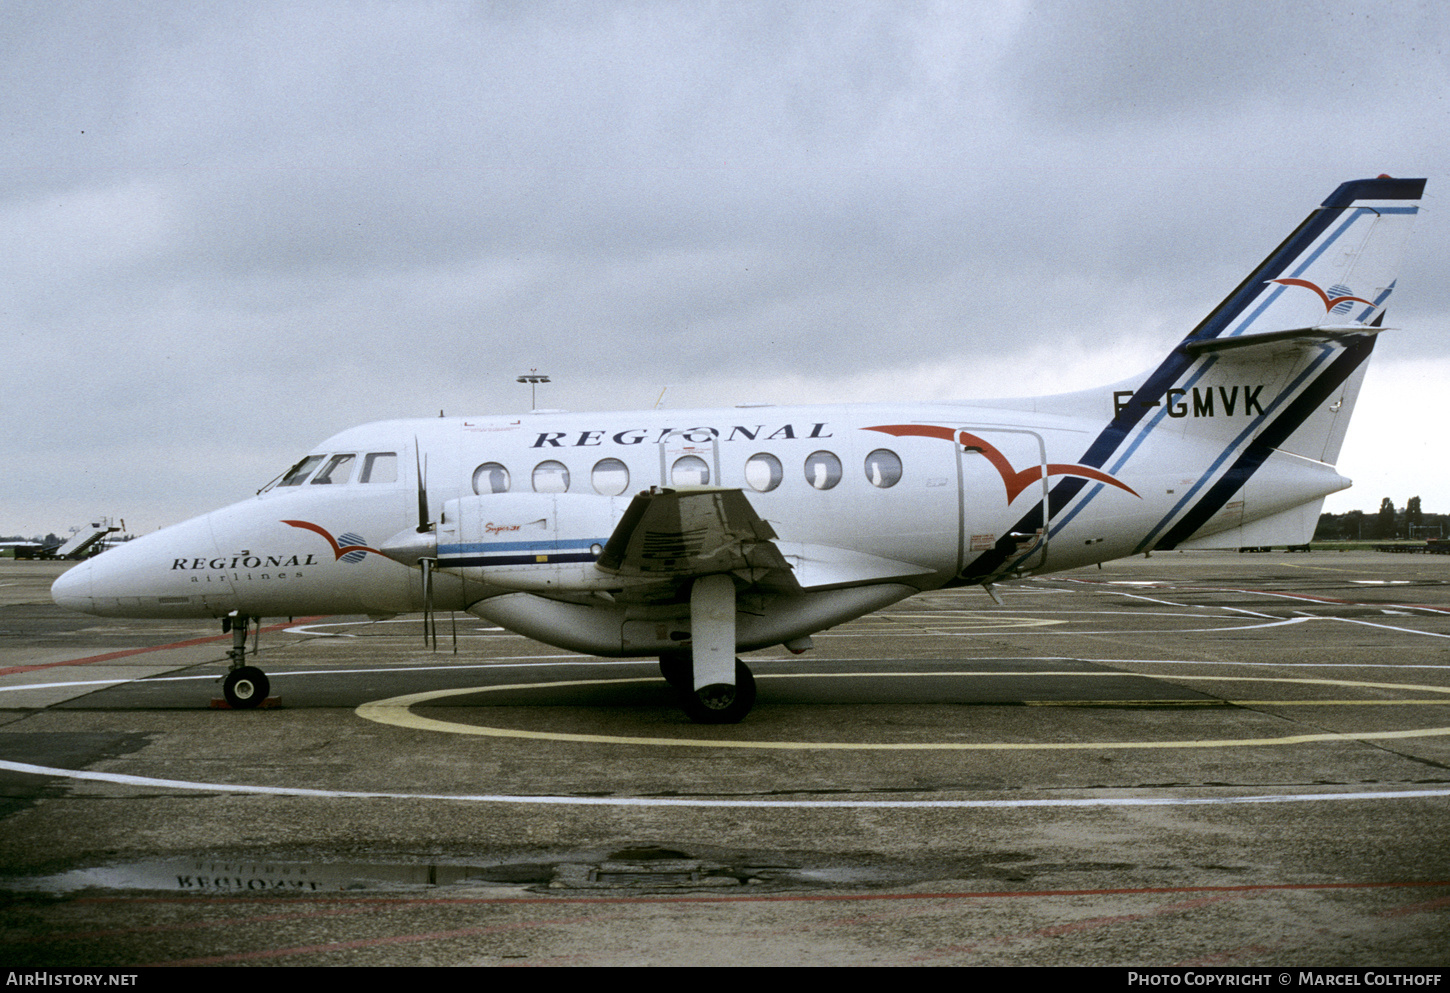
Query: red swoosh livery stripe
[(1016, 481), (338, 551), (1329, 303)]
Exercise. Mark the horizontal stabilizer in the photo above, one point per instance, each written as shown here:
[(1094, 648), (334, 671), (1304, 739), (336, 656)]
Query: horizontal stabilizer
[(1293, 336)]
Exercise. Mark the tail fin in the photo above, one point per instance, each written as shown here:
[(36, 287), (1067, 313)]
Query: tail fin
[(1337, 270), (1265, 384)]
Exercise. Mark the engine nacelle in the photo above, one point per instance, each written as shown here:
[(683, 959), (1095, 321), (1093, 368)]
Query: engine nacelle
[(619, 630), (529, 541)]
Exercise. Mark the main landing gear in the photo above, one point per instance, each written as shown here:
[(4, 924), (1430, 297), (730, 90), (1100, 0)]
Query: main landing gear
[(245, 686), (714, 686), (716, 703)]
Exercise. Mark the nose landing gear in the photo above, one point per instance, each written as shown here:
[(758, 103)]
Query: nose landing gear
[(245, 686)]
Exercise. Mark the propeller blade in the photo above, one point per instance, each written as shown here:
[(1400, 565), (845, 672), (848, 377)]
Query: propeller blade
[(428, 622), (422, 466)]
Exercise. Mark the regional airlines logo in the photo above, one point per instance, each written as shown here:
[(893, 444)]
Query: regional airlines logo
[(1339, 303), (346, 548), (1015, 480)]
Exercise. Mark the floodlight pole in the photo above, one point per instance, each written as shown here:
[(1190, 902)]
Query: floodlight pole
[(533, 379)]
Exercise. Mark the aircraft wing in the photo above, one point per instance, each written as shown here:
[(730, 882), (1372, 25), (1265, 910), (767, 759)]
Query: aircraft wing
[(694, 531)]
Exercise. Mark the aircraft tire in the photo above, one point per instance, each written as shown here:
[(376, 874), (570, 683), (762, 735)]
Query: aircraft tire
[(245, 688), (675, 667), (721, 705)]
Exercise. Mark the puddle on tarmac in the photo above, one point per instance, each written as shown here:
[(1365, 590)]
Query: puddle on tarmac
[(242, 877), (639, 868)]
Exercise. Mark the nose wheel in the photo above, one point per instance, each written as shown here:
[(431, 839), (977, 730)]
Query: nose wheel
[(245, 686)]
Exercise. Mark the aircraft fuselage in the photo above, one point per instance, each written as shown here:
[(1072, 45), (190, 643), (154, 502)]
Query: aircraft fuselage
[(858, 495)]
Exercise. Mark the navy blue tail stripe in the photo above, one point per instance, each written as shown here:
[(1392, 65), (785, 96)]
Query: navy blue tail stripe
[(1268, 440)]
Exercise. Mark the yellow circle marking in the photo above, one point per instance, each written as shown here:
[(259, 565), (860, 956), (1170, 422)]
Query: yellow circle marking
[(396, 710)]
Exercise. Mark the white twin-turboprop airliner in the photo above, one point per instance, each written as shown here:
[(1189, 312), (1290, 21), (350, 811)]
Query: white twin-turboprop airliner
[(693, 535)]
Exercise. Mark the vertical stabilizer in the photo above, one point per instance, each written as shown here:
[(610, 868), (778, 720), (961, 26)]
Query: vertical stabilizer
[(1268, 379)]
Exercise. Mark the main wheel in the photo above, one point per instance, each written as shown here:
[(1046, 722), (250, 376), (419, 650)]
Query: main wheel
[(675, 667), (246, 687), (721, 704)]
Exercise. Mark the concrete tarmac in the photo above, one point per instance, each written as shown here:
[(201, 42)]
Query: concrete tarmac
[(1206, 759)]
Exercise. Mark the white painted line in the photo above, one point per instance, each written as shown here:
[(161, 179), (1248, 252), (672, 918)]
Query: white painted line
[(213, 677), (147, 782), (1137, 596), (1251, 613), (1274, 665), (1386, 627), (545, 664)]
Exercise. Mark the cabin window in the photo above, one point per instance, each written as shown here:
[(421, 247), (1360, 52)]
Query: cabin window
[(299, 473), (763, 472), (491, 477), (551, 477), (823, 470), (690, 470), (337, 470), (379, 467), (610, 477), (883, 468)]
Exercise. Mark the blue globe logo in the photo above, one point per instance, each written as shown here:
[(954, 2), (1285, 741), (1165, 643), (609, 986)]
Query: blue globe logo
[(353, 539), (1343, 306)]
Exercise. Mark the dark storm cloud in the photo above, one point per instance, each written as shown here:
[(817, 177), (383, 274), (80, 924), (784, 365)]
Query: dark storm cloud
[(1092, 63)]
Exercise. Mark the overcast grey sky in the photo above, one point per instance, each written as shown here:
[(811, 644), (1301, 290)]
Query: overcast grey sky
[(228, 230)]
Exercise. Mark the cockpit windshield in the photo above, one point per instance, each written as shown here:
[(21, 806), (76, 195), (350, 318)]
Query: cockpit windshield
[(377, 467), (337, 470), (297, 475)]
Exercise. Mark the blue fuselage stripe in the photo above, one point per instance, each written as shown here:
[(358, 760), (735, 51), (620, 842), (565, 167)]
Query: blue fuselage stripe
[(488, 561), (518, 546)]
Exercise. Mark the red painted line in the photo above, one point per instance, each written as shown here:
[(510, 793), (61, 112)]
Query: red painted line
[(1218, 893), (201, 925), (11, 670), (398, 939), (1074, 927), (1417, 908)]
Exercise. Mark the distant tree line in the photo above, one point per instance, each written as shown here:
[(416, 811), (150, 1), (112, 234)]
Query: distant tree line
[(1388, 524), (49, 539)]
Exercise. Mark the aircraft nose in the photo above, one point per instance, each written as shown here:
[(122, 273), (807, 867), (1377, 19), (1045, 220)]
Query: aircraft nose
[(72, 588), (139, 578)]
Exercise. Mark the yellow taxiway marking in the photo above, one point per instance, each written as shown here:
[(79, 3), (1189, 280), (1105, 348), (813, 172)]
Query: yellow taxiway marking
[(397, 711), (949, 619)]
